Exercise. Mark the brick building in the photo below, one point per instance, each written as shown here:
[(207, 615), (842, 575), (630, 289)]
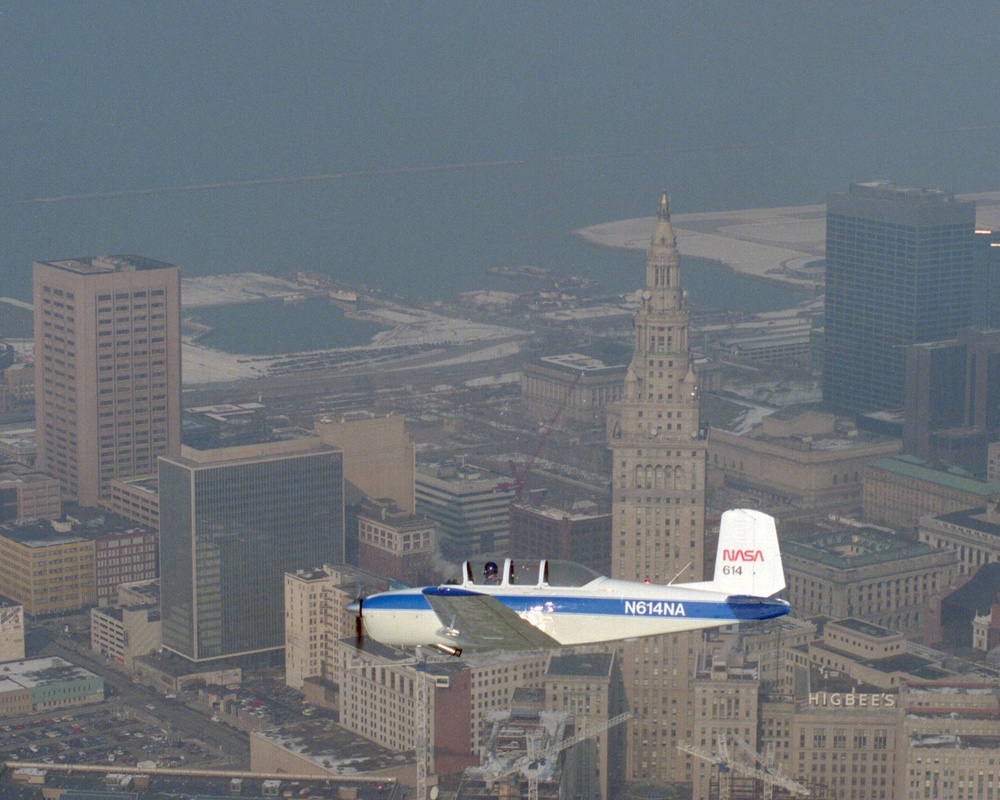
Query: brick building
[(580, 534), (56, 566)]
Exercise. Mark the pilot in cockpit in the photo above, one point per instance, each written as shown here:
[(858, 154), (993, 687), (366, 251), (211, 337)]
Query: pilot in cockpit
[(491, 572)]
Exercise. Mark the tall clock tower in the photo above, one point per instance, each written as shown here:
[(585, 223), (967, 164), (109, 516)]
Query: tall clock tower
[(658, 507)]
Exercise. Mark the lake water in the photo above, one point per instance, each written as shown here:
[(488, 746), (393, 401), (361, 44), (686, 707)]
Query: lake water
[(277, 327), (411, 147), (314, 324)]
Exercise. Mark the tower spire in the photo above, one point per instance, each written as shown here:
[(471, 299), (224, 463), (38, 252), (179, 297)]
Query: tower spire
[(663, 261), (658, 491)]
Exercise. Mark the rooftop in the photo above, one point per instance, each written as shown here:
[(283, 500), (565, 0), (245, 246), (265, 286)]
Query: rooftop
[(178, 783), (93, 265), (118, 612), (973, 519), (42, 671), (888, 190), (908, 664), (146, 483), (578, 363), (46, 533), (581, 665), (856, 547), (462, 476), (866, 628), (553, 512), (12, 476), (333, 748), (948, 477), (955, 742), (149, 589), (192, 446)]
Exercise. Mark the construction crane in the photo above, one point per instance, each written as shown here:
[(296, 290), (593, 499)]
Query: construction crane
[(767, 773), (422, 733), (519, 476), (529, 765)]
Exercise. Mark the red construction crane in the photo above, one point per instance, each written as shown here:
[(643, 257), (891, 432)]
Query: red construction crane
[(517, 484)]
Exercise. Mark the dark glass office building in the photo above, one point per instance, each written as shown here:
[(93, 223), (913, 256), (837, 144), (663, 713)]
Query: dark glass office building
[(899, 270), (986, 293), (232, 522)]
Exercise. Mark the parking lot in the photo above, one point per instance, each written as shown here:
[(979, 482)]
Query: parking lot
[(106, 733)]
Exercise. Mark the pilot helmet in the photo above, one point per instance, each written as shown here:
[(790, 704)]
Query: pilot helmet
[(491, 569)]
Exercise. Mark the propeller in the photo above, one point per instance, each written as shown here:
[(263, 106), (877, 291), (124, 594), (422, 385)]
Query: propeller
[(359, 623), (355, 608)]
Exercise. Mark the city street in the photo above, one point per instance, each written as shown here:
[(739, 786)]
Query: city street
[(192, 725)]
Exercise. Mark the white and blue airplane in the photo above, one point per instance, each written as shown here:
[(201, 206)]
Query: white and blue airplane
[(530, 604)]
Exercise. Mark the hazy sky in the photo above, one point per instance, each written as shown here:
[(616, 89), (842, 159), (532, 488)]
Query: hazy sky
[(590, 109)]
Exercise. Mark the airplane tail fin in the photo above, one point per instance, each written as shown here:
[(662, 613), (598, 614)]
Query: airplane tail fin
[(748, 560)]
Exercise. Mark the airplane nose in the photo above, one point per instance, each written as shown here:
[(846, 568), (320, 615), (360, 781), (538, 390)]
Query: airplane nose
[(354, 608)]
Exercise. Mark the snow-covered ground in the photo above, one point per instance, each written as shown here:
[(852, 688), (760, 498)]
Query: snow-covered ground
[(407, 327), (766, 242)]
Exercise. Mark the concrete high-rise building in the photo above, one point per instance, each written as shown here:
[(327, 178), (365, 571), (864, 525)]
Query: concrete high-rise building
[(378, 455), (379, 697), (108, 369), (899, 270), (471, 506), (233, 521), (973, 534), (726, 690), (800, 457), (658, 507), (316, 619), (395, 544), (17, 387)]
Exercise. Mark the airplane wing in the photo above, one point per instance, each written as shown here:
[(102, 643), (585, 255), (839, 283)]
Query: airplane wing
[(476, 620)]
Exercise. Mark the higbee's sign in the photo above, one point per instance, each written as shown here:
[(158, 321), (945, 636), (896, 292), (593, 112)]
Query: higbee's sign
[(851, 700)]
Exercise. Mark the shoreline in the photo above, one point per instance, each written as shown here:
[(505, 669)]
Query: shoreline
[(776, 244), (771, 244)]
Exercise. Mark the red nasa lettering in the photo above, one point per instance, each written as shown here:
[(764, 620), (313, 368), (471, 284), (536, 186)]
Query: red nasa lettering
[(742, 555)]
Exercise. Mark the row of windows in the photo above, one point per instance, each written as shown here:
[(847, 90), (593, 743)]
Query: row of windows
[(125, 295)]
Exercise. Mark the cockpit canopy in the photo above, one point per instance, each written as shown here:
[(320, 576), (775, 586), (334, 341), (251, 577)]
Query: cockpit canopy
[(525, 572)]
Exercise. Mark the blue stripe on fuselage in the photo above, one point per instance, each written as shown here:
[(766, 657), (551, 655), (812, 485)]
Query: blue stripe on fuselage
[(736, 607)]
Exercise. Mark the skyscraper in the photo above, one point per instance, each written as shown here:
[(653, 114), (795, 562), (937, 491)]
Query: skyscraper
[(470, 505), (986, 292), (232, 521), (108, 369), (658, 506), (899, 270), (952, 409)]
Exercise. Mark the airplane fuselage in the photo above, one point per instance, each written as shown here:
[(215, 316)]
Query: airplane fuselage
[(550, 603), (603, 610)]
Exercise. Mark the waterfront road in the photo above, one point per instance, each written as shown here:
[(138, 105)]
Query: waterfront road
[(420, 374)]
